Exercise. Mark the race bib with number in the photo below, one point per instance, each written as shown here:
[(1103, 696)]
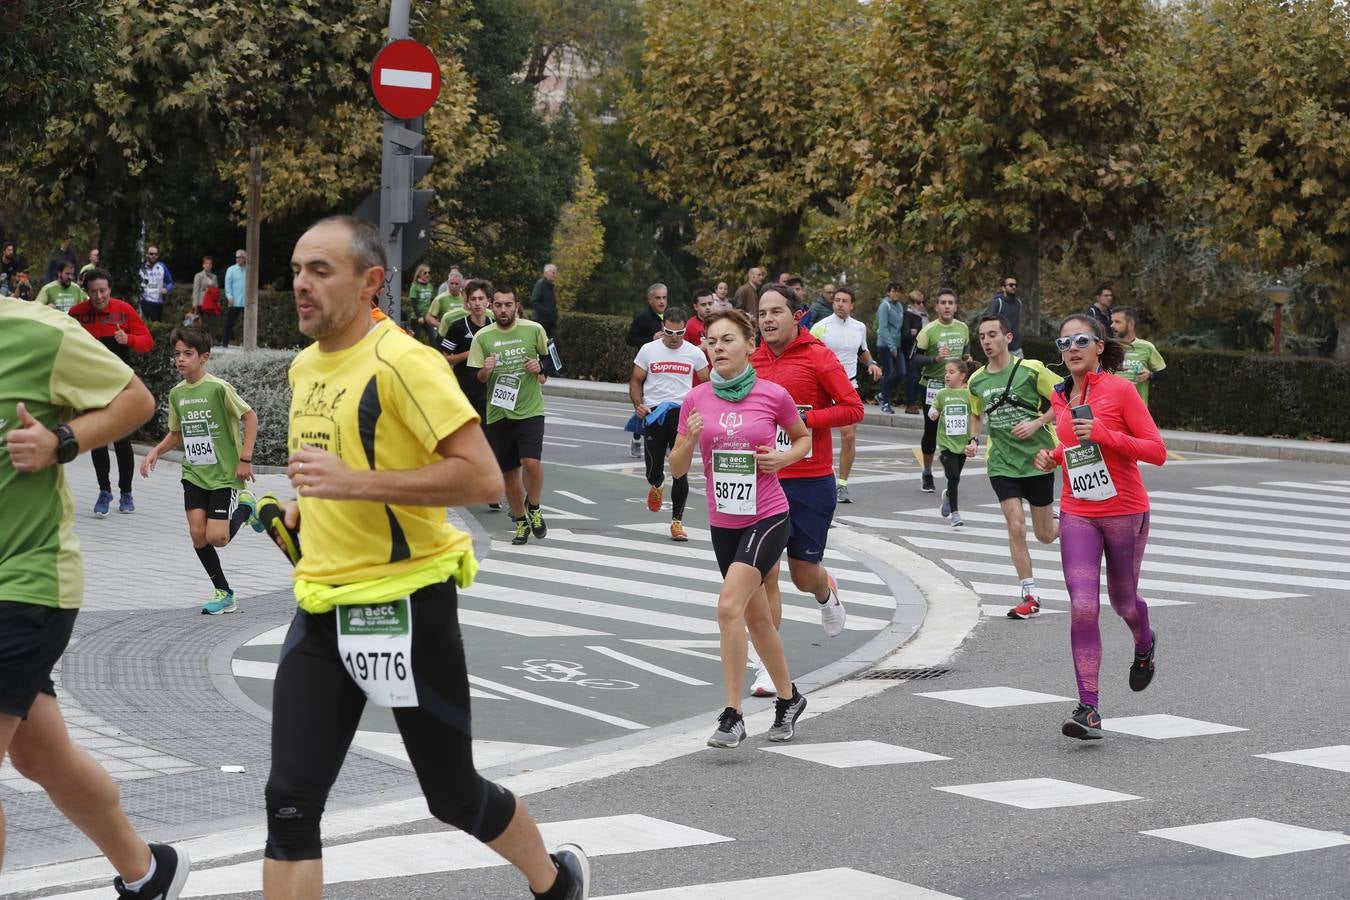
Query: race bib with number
[(198, 447), (375, 645), (933, 387), (1088, 477), (781, 442), (956, 419), (735, 481), (506, 391)]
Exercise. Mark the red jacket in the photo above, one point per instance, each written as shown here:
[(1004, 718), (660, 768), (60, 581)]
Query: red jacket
[(694, 330), (1127, 435), (813, 376), (103, 324)]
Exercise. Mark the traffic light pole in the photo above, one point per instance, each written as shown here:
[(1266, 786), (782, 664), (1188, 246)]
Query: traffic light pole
[(393, 187)]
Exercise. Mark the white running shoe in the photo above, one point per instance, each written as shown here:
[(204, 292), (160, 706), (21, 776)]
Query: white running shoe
[(832, 614), (763, 686)]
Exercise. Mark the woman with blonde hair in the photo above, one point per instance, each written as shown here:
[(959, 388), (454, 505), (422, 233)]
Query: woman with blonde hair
[(420, 294)]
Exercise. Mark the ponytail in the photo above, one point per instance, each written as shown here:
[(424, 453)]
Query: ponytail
[(1113, 351)]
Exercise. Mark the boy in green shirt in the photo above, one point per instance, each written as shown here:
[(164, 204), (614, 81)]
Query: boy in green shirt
[(1143, 362), (942, 339), (204, 417), (958, 433), (1014, 397)]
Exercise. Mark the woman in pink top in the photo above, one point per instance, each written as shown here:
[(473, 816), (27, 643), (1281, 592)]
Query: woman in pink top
[(1105, 430), (733, 418)]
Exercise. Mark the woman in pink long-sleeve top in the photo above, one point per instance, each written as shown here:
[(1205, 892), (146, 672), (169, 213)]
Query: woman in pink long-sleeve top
[(1105, 432)]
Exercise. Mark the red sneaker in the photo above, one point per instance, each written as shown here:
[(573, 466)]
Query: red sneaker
[(677, 532), (654, 499), (1028, 608)]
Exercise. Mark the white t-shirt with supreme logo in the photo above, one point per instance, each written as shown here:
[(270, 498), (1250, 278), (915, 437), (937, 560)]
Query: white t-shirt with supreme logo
[(670, 373)]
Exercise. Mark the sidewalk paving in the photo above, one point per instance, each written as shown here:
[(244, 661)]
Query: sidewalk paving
[(1181, 441)]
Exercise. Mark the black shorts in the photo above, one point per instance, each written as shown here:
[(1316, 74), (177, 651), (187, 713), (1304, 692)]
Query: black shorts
[(1038, 490), (515, 439), (32, 639), (219, 503), (760, 545)]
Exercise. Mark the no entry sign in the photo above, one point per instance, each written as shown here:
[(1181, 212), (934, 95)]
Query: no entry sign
[(405, 79)]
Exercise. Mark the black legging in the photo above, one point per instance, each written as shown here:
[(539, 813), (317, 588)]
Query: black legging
[(952, 464), (928, 445), (659, 439), (126, 466), (316, 708)]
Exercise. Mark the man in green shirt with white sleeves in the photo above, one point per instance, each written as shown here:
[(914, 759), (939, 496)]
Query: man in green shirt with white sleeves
[(63, 293), (1143, 362)]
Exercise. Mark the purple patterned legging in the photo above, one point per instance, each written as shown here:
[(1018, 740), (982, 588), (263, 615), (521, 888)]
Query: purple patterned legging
[(1082, 543)]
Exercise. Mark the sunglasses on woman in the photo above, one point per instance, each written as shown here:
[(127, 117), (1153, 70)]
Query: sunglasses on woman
[(1081, 341)]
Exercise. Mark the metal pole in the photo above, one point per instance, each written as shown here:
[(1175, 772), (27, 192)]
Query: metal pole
[(1279, 315), (400, 12), (253, 247)]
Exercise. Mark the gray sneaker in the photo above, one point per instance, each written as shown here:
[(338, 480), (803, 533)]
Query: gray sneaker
[(841, 494), (730, 730), (785, 716), (946, 508), (956, 520), (635, 448), (573, 860)]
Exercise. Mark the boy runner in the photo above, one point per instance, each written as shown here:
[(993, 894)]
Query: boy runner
[(942, 339), (1143, 363), (1014, 397), (664, 371), (506, 355), (204, 417), (459, 337), (381, 443), (50, 367), (847, 338)]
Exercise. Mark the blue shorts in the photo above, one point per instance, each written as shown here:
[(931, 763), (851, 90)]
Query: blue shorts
[(810, 511)]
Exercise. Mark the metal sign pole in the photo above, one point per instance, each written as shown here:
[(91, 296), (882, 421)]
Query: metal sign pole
[(391, 224)]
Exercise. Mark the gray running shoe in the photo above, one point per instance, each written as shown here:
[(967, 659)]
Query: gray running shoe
[(956, 520), (574, 861), (841, 494), (946, 509), (730, 730), (635, 448), (785, 716)]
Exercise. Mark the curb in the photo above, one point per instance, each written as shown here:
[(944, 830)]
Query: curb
[(1181, 441)]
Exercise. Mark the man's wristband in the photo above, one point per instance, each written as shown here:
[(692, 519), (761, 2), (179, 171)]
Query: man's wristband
[(67, 447), (249, 460)]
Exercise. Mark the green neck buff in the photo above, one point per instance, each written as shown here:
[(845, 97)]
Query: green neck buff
[(735, 388)]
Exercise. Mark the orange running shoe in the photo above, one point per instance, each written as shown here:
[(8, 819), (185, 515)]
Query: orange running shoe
[(654, 499), (677, 532)]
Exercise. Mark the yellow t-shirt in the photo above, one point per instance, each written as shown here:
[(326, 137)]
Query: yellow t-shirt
[(384, 403)]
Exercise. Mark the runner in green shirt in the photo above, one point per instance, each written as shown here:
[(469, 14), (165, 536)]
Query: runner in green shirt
[(60, 391), (204, 417), (507, 356), (1014, 397), (942, 339), (957, 433), (450, 305), (420, 294), (63, 293), (1143, 362)]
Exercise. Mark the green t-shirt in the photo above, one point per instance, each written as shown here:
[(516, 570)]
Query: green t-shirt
[(444, 304), (1140, 356), (1031, 388), (207, 413), (955, 407), (50, 364), (955, 337), (419, 298), (513, 393), (63, 298)]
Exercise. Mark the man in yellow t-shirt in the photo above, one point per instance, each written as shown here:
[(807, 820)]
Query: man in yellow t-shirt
[(381, 441)]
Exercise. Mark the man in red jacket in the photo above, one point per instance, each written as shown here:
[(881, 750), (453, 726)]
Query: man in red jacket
[(789, 356), (116, 325)]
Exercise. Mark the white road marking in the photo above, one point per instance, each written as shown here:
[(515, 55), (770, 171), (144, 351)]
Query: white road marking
[(853, 754), (1304, 485), (994, 697), (1008, 591), (267, 671), (848, 883), (1160, 727), (1335, 758), (523, 627), (1307, 499), (486, 754), (684, 648), (646, 666), (577, 497), (594, 608), (1147, 586), (1252, 838), (556, 704), (270, 637), (1039, 793), (1258, 506)]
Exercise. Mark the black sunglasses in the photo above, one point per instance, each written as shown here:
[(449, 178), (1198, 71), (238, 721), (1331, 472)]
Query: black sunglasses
[(1081, 341)]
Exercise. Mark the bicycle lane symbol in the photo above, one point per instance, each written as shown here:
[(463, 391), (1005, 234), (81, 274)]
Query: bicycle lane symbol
[(562, 671)]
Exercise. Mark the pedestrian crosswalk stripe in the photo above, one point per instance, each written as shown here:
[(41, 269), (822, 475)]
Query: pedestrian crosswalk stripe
[(1252, 838), (646, 666), (485, 590), (522, 627), (1336, 758), (1147, 586), (1160, 727), (855, 754), (703, 535), (486, 754), (843, 883), (1330, 486), (1312, 495), (1263, 505), (1000, 611), (1009, 591), (993, 697), (1039, 793), (267, 671), (270, 637), (1198, 511), (428, 853)]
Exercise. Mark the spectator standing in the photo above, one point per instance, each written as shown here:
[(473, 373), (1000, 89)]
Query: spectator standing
[(420, 295), (10, 266), (747, 295), (62, 293), (201, 283), (890, 324), (62, 254), (1100, 310), (1007, 305), (23, 288), (235, 280), (91, 265), (544, 301), (156, 282), (916, 320), (821, 308), (723, 294), (116, 326)]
